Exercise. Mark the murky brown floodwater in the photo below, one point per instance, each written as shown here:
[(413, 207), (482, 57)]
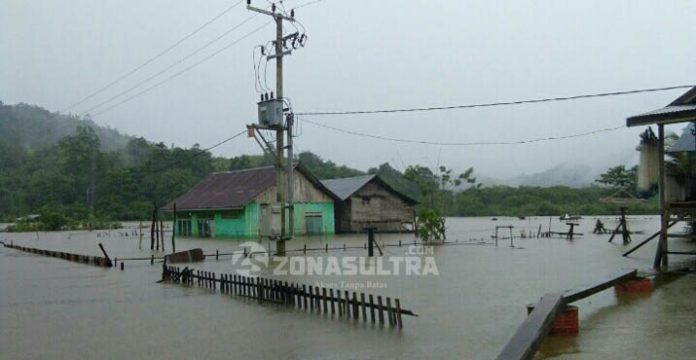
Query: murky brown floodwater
[(50, 308)]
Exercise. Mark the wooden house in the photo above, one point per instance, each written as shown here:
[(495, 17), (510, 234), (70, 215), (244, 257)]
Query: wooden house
[(367, 201), (677, 194), (235, 204)]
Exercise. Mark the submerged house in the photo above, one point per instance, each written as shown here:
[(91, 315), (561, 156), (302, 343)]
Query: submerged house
[(235, 204), (677, 189), (368, 201)]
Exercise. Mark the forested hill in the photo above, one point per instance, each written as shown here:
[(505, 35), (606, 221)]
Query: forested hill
[(32, 127)]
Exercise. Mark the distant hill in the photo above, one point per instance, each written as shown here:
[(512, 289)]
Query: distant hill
[(32, 127), (575, 176)]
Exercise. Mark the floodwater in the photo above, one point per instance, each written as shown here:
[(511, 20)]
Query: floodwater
[(51, 308)]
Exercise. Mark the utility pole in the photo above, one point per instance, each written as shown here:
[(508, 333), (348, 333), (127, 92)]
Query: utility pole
[(283, 188)]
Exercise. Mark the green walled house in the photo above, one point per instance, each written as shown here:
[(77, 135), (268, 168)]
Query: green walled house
[(242, 204)]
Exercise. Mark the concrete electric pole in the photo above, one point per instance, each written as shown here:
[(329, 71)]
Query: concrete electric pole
[(284, 189)]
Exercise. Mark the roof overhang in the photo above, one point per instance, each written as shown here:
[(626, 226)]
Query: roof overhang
[(672, 114), (682, 109)]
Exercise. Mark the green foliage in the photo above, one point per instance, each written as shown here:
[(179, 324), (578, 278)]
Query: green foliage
[(249, 162), (430, 226), (396, 179), (75, 174), (620, 179), (325, 169)]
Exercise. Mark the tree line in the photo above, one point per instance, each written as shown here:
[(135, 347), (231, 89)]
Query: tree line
[(79, 179)]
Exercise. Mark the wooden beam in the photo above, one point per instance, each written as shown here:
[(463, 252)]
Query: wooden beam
[(583, 292), (648, 239), (525, 342)]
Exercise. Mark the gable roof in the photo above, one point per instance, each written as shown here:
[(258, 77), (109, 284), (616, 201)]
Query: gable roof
[(233, 189), (682, 109), (226, 190), (345, 187)]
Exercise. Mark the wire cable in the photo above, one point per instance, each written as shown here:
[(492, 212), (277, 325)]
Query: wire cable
[(502, 103), (157, 74), (150, 60), (201, 152), (424, 142), (182, 71)]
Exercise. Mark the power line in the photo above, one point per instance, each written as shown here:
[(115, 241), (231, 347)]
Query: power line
[(194, 64), (203, 151), (150, 60), (182, 71), (502, 103), (157, 74), (424, 142)]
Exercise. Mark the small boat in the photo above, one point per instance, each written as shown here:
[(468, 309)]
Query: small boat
[(569, 217)]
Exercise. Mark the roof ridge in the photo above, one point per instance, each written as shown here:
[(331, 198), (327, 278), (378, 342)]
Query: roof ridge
[(242, 170)]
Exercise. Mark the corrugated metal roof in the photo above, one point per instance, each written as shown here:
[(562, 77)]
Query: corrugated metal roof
[(682, 109), (226, 190), (345, 187)]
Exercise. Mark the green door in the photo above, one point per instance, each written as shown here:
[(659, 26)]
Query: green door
[(314, 223)]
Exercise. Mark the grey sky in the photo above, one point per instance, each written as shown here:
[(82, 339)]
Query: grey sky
[(367, 55)]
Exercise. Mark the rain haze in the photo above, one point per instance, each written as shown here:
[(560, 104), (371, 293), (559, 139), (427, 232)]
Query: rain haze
[(362, 55)]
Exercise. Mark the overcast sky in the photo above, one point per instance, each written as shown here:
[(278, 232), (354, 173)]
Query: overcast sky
[(363, 55)]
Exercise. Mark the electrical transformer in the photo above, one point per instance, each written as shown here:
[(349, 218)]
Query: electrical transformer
[(270, 221), (271, 113)]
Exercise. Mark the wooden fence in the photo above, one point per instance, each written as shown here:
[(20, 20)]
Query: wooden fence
[(313, 298), (84, 259)]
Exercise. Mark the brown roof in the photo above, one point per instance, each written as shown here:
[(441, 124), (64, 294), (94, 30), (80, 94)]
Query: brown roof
[(226, 190)]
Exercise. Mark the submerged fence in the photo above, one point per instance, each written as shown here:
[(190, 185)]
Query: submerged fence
[(84, 259), (313, 298)]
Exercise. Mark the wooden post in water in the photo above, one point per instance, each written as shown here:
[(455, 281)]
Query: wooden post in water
[(372, 309), (304, 297), (364, 311), (174, 230), (340, 305), (140, 231), (398, 313), (356, 312), (371, 241), (152, 229), (162, 233), (311, 297), (379, 309), (333, 308), (323, 293), (390, 313)]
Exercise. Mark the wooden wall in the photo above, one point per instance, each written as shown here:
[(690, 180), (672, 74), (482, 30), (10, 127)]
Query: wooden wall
[(305, 191), (374, 206)]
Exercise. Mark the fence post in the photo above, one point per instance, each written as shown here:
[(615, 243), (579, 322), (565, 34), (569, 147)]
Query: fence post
[(379, 309), (364, 311), (398, 313)]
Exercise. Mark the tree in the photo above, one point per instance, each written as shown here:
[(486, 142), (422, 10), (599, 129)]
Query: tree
[(436, 187), (618, 178)]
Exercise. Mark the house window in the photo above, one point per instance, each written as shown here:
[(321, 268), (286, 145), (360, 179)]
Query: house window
[(183, 227), (366, 200), (231, 214)]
